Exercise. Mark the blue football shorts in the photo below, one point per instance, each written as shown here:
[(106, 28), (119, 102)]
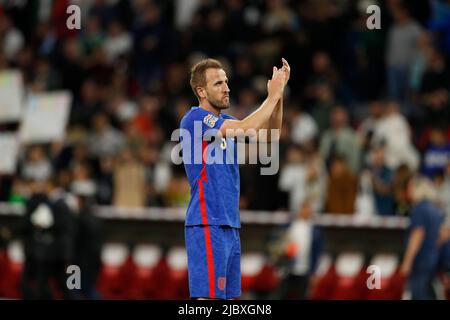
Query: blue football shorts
[(214, 261)]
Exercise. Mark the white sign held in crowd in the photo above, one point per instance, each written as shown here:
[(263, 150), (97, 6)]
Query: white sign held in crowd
[(11, 94), (45, 117), (9, 150)]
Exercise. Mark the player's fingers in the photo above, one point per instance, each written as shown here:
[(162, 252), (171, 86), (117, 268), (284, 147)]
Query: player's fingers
[(286, 64)]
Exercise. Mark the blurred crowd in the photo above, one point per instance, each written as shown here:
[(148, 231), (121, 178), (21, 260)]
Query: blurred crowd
[(365, 109)]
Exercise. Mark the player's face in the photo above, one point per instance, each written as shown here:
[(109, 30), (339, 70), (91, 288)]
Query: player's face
[(217, 91)]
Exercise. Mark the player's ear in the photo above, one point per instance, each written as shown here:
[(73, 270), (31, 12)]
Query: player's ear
[(201, 92)]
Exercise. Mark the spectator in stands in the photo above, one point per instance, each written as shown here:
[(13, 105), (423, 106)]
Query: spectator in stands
[(437, 155), (12, 38), (158, 174), (129, 181), (382, 183), (293, 178), (104, 140), (323, 102), (18, 192), (435, 86), (37, 166), (87, 243), (302, 177), (394, 132), (178, 192), (92, 36), (146, 120), (118, 42), (442, 184), (420, 64), (402, 176), (303, 247), (89, 102), (304, 128), (368, 127), (48, 235), (439, 23), (341, 139), (341, 189), (420, 260), (105, 181), (82, 179), (401, 51)]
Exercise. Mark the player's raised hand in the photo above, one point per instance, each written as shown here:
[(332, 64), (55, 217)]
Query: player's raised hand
[(275, 86), (286, 69)]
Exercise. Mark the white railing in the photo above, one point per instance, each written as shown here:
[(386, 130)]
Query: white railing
[(247, 217)]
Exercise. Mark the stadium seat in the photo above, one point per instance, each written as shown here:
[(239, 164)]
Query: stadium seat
[(251, 265), (266, 281), (391, 282), (325, 279), (144, 280), (3, 263), (115, 259), (351, 277), (178, 274), (12, 270)]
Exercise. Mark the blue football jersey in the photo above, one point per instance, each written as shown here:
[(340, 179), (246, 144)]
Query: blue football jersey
[(212, 170)]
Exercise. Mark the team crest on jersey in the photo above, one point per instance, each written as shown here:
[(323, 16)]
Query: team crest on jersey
[(210, 120), (221, 283)]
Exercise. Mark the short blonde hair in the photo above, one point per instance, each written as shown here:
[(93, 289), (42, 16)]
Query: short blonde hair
[(422, 189), (198, 73)]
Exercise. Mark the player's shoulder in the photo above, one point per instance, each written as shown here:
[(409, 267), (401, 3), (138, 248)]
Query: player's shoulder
[(198, 114), (189, 116)]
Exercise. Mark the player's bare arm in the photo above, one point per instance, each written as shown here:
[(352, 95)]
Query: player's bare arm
[(258, 119), (276, 119)]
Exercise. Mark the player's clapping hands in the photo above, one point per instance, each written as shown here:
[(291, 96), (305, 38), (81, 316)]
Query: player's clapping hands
[(280, 78)]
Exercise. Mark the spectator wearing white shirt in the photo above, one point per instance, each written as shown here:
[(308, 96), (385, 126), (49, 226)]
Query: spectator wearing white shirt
[(303, 245), (104, 140), (12, 39), (37, 167), (304, 127), (393, 131), (118, 42), (303, 178)]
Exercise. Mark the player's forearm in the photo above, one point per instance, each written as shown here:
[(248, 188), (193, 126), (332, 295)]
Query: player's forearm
[(276, 120), (259, 119), (414, 244)]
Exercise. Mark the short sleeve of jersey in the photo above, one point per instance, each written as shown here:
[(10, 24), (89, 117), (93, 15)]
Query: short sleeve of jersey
[(417, 217)]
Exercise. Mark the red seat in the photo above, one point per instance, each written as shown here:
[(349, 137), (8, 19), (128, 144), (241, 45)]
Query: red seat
[(12, 270), (144, 282), (267, 280), (325, 279), (112, 280), (178, 274), (251, 265), (391, 282), (351, 277)]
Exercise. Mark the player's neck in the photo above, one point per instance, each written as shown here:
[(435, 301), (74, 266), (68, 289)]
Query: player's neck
[(208, 107)]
